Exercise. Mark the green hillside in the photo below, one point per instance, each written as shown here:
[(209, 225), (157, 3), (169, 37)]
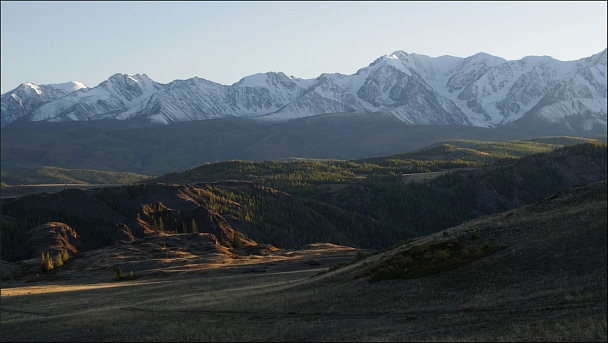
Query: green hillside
[(474, 152), (54, 175)]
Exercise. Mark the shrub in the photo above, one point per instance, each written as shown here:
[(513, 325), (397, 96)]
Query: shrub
[(118, 274), (58, 260), (424, 260), (64, 255), (46, 263)]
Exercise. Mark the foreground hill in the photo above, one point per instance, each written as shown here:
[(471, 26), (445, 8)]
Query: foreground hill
[(546, 282)]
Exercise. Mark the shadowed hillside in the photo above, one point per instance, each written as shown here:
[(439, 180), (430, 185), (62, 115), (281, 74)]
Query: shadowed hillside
[(547, 282), (156, 150), (289, 204), (368, 202)]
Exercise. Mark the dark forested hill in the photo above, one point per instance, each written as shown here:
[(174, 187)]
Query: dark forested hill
[(288, 204)]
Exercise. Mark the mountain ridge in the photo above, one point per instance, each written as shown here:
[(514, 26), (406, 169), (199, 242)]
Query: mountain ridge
[(480, 90)]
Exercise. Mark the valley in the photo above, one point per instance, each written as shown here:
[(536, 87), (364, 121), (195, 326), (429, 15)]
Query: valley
[(492, 241)]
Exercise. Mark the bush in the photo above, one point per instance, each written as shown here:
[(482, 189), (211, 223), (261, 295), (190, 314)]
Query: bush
[(46, 263), (424, 260), (118, 274)]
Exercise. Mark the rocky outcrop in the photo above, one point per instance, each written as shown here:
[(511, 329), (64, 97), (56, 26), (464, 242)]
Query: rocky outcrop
[(51, 237)]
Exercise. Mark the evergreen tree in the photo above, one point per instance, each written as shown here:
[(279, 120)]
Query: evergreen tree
[(235, 240), (194, 226)]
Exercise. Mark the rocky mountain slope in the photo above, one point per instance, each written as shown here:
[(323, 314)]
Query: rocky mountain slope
[(480, 90)]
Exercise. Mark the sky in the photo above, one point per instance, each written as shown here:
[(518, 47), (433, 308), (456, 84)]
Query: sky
[(56, 42)]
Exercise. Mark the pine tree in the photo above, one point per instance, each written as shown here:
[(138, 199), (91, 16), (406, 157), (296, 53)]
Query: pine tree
[(194, 226), (235, 240), (161, 227)]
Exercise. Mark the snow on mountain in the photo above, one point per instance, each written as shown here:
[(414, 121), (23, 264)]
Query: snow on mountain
[(68, 87), (480, 90), (23, 100), (580, 92), (405, 85), (395, 83), (107, 100), (199, 99), (272, 91)]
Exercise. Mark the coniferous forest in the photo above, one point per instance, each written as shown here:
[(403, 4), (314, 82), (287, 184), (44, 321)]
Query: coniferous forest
[(368, 203)]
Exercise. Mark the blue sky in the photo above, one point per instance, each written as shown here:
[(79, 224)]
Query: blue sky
[(56, 42)]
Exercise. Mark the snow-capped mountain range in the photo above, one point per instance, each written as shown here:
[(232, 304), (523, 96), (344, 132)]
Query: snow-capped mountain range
[(480, 90)]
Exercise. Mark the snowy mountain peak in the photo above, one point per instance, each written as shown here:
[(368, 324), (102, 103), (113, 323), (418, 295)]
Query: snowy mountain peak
[(395, 56), (28, 97), (255, 80), (599, 58), (69, 87), (482, 56), (538, 59), (130, 89), (130, 79), (399, 54), (263, 79), (481, 90), (30, 87)]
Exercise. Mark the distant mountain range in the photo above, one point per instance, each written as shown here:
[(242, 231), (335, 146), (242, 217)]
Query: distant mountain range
[(480, 90)]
